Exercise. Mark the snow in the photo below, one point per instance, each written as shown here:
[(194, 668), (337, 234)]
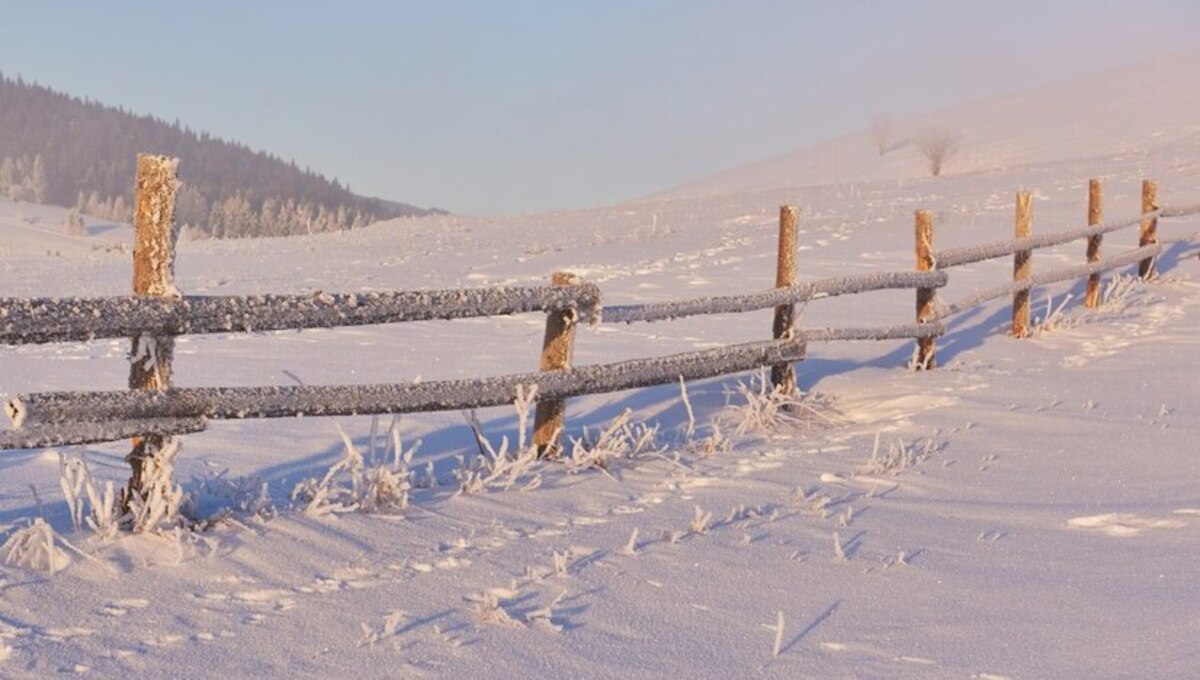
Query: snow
[(1027, 509)]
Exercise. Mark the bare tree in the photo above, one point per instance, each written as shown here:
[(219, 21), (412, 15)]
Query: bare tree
[(882, 132), (938, 145)]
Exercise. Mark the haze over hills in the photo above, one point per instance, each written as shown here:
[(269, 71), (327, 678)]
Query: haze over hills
[(1143, 108), (62, 150)]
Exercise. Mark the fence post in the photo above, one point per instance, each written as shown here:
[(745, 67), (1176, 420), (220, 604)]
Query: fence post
[(557, 348), (926, 347), (1149, 227), (783, 376), (1022, 266), (153, 275), (1095, 216)]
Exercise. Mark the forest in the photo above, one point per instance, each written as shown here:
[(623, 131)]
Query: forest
[(63, 150)]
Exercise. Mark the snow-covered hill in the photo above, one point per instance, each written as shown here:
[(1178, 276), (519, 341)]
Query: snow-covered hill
[(32, 230), (1138, 112), (1030, 509)]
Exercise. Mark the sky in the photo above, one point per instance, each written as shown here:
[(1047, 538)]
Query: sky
[(515, 106)]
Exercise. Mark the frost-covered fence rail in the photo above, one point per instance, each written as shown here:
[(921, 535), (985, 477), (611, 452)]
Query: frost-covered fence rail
[(66, 434), (43, 320), (184, 405), (800, 292), (1145, 255), (25, 321)]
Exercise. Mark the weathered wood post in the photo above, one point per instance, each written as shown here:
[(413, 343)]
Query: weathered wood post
[(1022, 266), (153, 275), (783, 376), (557, 348), (1095, 216), (1149, 234), (925, 358)]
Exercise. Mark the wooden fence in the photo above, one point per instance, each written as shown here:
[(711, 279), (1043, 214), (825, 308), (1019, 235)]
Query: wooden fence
[(153, 410), (1024, 243)]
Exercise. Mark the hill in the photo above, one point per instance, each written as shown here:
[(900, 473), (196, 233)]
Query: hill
[(1141, 109), (62, 150)]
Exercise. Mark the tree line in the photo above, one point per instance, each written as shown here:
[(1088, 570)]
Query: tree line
[(63, 150)]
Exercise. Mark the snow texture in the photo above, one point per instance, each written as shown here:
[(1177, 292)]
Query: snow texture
[(1061, 274), (43, 320), (67, 434), (969, 254), (728, 304), (280, 402)]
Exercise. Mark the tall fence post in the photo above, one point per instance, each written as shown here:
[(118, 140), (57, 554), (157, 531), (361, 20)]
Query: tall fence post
[(557, 349), (783, 376), (1095, 216), (1022, 265), (153, 275), (926, 347), (1149, 234)]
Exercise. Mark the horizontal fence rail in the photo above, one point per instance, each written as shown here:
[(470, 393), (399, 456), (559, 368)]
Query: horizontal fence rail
[(801, 292), (43, 320), (344, 400), (912, 331), (970, 254), (69, 434), (1181, 210), (955, 257), (1058, 275)]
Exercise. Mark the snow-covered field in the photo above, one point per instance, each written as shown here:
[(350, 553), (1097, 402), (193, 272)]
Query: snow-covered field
[(1030, 509)]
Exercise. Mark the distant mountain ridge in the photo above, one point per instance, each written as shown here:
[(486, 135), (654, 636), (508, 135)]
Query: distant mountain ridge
[(62, 150)]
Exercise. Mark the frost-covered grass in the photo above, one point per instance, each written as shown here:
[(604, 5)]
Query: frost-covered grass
[(756, 407), (36, 546), (361, 484)]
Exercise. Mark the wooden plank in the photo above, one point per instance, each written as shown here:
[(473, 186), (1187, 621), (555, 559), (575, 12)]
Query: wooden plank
[(1022, 266), (925, 358), (1149, 231), (783, 376), (1095, 216), (153, 276), (558, 346)]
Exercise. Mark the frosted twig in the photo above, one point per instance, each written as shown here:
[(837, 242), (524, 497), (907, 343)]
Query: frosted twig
[(777, 629), (700, 521), (630, 548), (839, 552), (683, 393)]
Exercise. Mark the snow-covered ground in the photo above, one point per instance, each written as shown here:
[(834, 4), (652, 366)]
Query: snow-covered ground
[(1042, 520)]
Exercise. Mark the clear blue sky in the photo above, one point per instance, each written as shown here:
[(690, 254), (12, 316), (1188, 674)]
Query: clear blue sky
[(528, 105)]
